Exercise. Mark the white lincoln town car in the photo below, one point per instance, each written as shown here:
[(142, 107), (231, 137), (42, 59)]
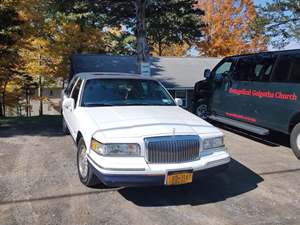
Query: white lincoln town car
[(129, 131)]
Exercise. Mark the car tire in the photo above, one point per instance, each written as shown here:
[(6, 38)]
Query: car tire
[(65, 128), (202, 109), (295, 140), (85, 171)]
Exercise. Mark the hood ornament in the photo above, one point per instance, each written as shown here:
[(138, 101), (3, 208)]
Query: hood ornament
[(174, 130)]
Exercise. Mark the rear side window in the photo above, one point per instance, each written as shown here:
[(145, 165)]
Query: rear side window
[(282, 70), (295, 70), (75, 92), (254, 68)]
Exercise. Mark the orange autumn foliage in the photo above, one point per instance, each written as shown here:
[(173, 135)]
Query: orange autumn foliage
[(228, 28)]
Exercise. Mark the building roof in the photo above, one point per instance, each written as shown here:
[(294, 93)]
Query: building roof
[(173, 72)]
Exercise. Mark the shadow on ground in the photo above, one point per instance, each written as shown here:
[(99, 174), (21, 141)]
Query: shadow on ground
[(237, 180), (274, 139), (32, 126)]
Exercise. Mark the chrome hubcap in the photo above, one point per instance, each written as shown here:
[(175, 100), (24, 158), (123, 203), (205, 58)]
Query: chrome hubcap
[(298, 141), (202, 111), (82, 162)]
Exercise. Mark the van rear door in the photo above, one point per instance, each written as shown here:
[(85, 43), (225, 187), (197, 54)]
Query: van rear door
[(278, 100)]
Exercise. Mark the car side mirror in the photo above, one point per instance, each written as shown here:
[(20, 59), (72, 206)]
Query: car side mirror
[(179, 101), (207, 73), (69, 103)]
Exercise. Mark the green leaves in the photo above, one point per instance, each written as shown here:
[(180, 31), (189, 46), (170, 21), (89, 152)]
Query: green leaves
[(282, 21)]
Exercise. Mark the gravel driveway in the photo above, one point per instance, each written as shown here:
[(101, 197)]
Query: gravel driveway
[(39, 185)]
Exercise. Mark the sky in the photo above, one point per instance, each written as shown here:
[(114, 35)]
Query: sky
[(257, 2)]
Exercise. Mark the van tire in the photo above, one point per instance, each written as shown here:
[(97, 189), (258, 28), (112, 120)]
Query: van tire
[(295, 140), (202, 109), (90, 179)]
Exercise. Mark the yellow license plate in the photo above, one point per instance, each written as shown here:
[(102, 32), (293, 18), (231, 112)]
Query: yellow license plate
[(177, 178)]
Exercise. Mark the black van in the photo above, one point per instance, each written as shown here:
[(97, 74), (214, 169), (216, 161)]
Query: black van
[(256, 92)]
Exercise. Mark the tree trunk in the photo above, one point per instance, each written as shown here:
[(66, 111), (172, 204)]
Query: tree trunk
[(160, 50), (141, 31), (4, 98), (1, 107), (40, 93)]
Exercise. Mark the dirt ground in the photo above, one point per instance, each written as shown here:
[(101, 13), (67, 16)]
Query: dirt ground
[(39, 184)]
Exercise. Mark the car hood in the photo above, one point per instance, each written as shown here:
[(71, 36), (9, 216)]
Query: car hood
[(132, 121)]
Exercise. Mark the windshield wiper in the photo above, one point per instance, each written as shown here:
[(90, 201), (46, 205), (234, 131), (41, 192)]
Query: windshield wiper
[(97, 104)]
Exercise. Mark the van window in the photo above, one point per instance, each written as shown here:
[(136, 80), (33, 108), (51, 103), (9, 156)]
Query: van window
[(254, 68), (282, 69), (224, 68), (295, 70)]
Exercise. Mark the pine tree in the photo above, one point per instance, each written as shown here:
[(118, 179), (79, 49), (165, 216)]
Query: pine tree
[(281, 19), (10, 37)]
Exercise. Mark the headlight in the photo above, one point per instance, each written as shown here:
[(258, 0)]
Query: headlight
[(128, 150), (213, 143)]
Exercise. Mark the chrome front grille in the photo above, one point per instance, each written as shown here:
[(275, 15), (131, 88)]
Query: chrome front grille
[(172, 149)]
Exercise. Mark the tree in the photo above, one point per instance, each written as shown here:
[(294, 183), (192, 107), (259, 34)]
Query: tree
[(282, 21), (167, 22), (10, 37), (173, 23), (230, 28), (179, 49), (118, 41)]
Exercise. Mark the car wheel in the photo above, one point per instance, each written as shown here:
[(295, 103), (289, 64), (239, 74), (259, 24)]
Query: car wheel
[(65, 128), (202, 110), (295, 140), (85, 172)]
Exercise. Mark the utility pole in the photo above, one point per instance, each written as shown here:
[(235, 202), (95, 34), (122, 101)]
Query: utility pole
[(142, 47), (40, 94), (40, 89)]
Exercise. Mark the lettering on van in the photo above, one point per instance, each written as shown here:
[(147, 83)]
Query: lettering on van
[(264, 94)]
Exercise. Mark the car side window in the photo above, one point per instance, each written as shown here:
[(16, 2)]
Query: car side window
[(254, 68), (76, 90), (244, 69), (282, 69), (224, 68), (70, 87), (295, 70)]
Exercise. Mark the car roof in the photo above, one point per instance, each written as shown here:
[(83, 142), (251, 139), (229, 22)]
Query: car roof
[(104, 75)]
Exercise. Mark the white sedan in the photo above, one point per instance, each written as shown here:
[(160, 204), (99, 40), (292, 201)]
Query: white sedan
[(129, 131)]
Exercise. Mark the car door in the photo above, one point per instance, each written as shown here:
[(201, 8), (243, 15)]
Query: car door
[(221, 82), (69, 113), (251, 73), (259, 104), (67, 92)]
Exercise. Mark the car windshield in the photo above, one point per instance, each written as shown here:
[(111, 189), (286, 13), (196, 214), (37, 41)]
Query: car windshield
[(119, 92)]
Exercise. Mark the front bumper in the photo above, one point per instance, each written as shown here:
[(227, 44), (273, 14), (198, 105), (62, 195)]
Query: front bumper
[(114, 180), (154, 174)]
